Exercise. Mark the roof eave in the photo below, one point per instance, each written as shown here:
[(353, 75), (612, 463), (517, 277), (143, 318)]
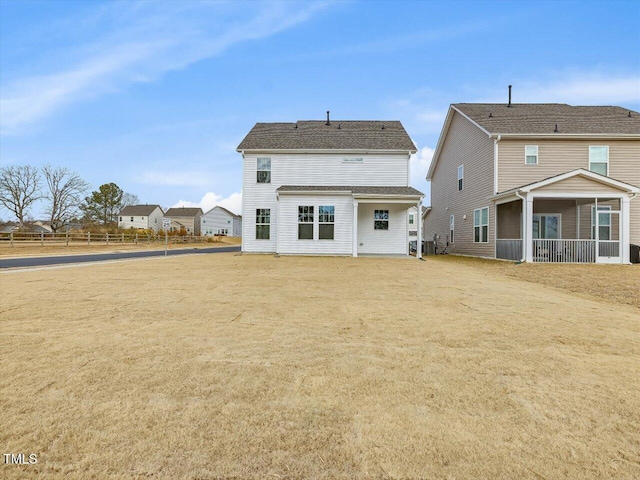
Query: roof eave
[(566, 136), (325, 150)]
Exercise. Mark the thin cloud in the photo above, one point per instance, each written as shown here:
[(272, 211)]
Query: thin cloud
[(210, 199), (175, 178), (142, 42)]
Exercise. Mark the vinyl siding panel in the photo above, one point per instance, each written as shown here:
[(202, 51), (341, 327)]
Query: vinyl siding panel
[(576, 185), (465, 145), (560, 156), (237, 227), (394, 241), (288, 225), (153, 221), (216, 219), (310, 169)]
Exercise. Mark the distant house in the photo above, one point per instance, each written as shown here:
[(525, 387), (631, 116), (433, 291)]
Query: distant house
[(187, 218), (146, 217), (332, 188), (220, 221), (537, 183)]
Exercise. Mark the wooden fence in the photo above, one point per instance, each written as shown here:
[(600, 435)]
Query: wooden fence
[(28, 238)]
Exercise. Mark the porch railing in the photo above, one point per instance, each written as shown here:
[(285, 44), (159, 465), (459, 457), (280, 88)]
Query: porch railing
[(564, 251), (509, 249)]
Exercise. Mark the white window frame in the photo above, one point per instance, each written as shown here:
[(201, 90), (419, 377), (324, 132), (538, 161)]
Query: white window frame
[(263, 164), (529, 153), (263, 214), (461, 178), (411, 219), (606, 162), (452, 224), (601, 209), (304, 212), (382, 219), (479, 224), (545, 215), (327, 218)]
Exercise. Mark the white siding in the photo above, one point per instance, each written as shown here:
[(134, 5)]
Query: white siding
[(394, 241), (215, 219), (237, 227), (143, 221), (310, 169), (288, 225)]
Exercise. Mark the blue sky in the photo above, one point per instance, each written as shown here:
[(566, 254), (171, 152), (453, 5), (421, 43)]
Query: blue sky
[(156, 95)]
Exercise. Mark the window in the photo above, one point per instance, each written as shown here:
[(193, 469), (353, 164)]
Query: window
[(381, 219), (411, 219), (599, 160), (326, 221), (604, 223), (546, 226), (305, 223), (481, 225), (531, 154), (451, 224), (263, 221), (222, 231), (460, 177), (132, 219), (120, 218), (264, 170)]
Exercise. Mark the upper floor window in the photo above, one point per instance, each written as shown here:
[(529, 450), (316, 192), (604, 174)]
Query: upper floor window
[(263, 223), (481, 225), (381, 219), (531, 154), (599, 160), (305, 223), (264, 170), (326, 222), (460, 177)]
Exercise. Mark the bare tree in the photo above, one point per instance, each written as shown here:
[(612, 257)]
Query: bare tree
[(65, 192), (19, 189), (129, 199)]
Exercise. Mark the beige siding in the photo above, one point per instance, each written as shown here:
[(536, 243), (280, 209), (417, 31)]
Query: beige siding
[(565, 208), (578, 184), (465, 145), (559, 156)]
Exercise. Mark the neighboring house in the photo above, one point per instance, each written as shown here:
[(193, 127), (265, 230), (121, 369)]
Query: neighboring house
[(537, 182), (146, 217), (334, 188), (189, 218), (220, 221)]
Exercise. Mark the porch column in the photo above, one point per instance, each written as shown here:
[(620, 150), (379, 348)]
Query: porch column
[(528, 229), (355, 229), (419, 245), (625, 226)]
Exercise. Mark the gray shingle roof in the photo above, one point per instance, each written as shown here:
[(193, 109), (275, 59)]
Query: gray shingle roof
[(139, 210), (183, 212), (339, 135), (541, 118), (356, 190)]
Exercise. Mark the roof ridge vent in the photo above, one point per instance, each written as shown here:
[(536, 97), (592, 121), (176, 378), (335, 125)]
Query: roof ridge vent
[(383, 126), (629, 114), (328, 121), (555, 130), (339, 126), (490, 115)]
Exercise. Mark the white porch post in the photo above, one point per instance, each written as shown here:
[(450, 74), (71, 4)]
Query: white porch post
[(624, 226), (419, 245), (528, 229), (355, 229)]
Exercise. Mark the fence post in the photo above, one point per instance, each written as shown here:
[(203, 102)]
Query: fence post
[(107, 238), (136, 238), (11, 237), (66, 237), (89, 238), (123, 237), (42, 239)]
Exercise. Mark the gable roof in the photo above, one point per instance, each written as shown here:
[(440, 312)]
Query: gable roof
[(578, 172), (542, 118), (228, 212), (139, 210), (338, 135), (183, 212)]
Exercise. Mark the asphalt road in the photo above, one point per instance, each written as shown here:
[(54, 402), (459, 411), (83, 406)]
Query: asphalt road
[(99, 257)]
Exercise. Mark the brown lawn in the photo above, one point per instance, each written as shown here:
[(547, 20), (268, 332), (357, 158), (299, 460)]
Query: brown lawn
[(229, 366)]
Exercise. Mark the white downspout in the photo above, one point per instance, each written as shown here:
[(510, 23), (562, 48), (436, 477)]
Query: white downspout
[(524, 226)]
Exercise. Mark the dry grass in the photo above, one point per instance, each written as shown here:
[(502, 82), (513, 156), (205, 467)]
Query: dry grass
[(36, 249), (229, 366)]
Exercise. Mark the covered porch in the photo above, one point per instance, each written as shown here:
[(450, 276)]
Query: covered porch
[(576, 217)]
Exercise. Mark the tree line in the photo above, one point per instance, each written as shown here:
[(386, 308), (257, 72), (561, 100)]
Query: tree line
[(64, 193)]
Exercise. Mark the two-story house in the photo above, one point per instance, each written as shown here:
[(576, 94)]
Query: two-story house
[(333, 188), (537, 183), (147, 217), (185, 218), (220, 221)]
